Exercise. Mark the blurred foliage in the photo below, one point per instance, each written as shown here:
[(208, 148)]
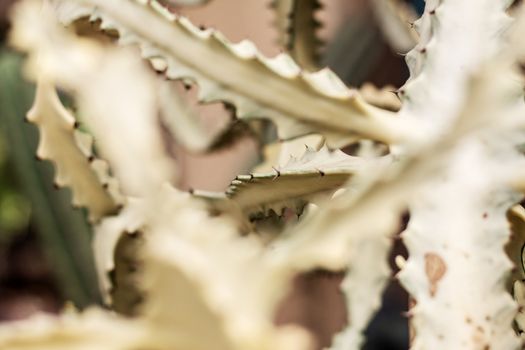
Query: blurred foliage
[(62, 230)]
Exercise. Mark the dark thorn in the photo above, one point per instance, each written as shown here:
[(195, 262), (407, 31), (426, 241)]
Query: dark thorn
[(423, 50), (251, 176), (38, 158), (202, 27), (91, 158), (55, 186), (277, 171), (321, 172), (187, 86), (105, 185), (396, 94), (432, 12), (191, 191), (76, 125)]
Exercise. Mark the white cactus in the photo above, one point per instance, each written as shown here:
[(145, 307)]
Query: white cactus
[(212, 277)]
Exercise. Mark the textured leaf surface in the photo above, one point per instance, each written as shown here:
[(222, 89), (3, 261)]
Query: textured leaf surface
[(222, 286), (296, 101), (58, 144), (297, 30), (458, 223), (98, 76)]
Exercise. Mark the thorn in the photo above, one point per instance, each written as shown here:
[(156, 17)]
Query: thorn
[(278, 173), (76, 124), (202, 27), (38, 158), (321, 172), (432, 12), (396, 94), (251, 176), (423, 50), (26, 120), (191, 190), (55, 186), (400, 92), (187, 86), (91, 158), (105, 185)]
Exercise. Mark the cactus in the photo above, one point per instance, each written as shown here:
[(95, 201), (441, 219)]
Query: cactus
[(200, 270)]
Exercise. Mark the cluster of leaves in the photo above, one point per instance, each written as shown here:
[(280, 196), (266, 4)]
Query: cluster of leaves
[(204, 270)]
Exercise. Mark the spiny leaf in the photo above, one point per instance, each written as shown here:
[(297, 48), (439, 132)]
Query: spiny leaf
[(195, 273), (297, 29), (296, 101), (99, 75), (315, 174), (58, 144)]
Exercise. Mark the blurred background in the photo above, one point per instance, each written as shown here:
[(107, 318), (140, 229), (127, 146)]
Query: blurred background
[(45, 257)]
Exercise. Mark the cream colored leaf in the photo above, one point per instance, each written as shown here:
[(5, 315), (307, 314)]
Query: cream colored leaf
[(220, 290), (297, 102), (297, 29), (384, 97), (101, 78), (93, 329), (316, 174), (394, 17), (72, 164)]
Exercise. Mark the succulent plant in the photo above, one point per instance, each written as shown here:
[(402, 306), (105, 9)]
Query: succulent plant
[(204, 270)]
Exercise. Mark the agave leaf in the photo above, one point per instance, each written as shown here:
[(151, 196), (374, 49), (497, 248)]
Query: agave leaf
[(297, 26), (297, 102), (58, 144)]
